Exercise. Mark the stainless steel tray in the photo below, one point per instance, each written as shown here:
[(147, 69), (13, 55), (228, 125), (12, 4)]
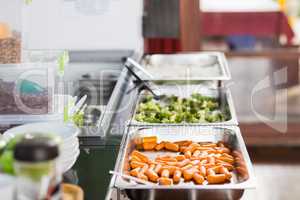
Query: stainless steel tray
[(222, 94), (230, 136), (187, 66)]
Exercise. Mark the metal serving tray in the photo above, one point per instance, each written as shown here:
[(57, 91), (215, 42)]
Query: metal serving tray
[(244, 179), (188, 66), (222, 94)]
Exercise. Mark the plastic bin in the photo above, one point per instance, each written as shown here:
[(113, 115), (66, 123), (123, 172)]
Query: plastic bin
[(26, 89), (60, 101)]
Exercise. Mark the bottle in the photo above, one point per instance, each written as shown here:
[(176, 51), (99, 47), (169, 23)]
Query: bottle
[(37, 171)]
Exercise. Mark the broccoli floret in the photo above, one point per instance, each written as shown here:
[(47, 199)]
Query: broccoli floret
[(173, 109)]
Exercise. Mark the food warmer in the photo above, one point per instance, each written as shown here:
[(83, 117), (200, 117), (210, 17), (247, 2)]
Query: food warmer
[(122, 107)]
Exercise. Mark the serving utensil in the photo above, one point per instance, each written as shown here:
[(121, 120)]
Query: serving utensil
[(131, 178), (78, 106), (139, 67), (144, 83)]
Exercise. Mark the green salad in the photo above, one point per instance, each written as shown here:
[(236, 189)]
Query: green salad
[(173, 109)]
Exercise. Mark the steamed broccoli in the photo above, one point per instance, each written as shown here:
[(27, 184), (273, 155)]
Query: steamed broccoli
[(173, 109)]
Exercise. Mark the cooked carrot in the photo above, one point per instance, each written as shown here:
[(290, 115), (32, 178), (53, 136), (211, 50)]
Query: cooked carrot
[(188, 154), (135, 172), (160, 146), (144, 169), (182, 149), (140, 155), (148, 146), (225, 164), (177, 176), (211, 160), (171, 169), (196, 153), (166, 158), (203, 157), (208, 149), (225, 171), (228, 156), (158, 168), (165, 181), (135, 164), (198, 178), (210, 171), (209, 145), (152, 166), (138, 141), (187, 167), (150, 139), (243, 172), (216, 179), (172, 163), (142, 176), (183, 163), (192, 147), (207, 166), (226, 159), (220, 144), (195, 162), (184, 142), (171, 146), (180, 157), (165, 173), (216, 168), (135, 158), (152, 175), (222, 150), (202, 170), (188, 174)]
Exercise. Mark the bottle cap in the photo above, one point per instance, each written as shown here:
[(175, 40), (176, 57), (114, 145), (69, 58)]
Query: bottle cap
[(36, 149)]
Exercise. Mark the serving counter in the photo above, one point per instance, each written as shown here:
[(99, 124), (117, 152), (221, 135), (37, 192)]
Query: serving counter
[(104, 152)]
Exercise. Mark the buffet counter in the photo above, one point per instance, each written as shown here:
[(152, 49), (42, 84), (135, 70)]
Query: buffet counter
[(129, 121)]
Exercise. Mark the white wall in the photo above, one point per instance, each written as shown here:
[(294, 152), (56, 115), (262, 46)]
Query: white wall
[(66, 24), (59, 24), (10, 12)]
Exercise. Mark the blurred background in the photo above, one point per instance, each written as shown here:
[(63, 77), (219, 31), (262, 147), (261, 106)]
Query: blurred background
[(261, 39)]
